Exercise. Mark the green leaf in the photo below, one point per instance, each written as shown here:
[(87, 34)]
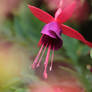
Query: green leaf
[(84, 50), (20, 90), (71, 47), (91, 53)]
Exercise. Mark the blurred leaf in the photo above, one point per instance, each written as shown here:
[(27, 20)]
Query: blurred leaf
[(11, 82), (80, 77), (69, 70), (21, 90), (90, 17), (84, 50), (71, 47), (91, 53), (28, 26)]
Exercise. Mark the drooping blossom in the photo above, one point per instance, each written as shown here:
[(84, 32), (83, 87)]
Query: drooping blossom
[(51, 33)]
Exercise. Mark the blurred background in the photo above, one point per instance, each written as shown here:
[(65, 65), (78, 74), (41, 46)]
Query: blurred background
[(19, 37)]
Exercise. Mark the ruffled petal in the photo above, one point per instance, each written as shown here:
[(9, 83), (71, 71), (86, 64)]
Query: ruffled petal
[(41, 15), (64, 15), (74, 34)]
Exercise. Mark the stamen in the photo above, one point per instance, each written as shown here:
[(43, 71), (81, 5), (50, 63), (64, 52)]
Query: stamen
[(46, 62), (52, 59), (36, 59), (41, 56)]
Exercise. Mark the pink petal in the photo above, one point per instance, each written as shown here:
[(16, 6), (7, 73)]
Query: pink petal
[(74, 34), (41, 15), (66, 13)]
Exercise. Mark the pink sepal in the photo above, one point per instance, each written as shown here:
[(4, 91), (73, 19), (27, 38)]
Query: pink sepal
[(41, 15), (74, 34)]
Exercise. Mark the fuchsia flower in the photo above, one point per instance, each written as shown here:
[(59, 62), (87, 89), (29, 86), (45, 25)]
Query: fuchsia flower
[(51, 32)]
